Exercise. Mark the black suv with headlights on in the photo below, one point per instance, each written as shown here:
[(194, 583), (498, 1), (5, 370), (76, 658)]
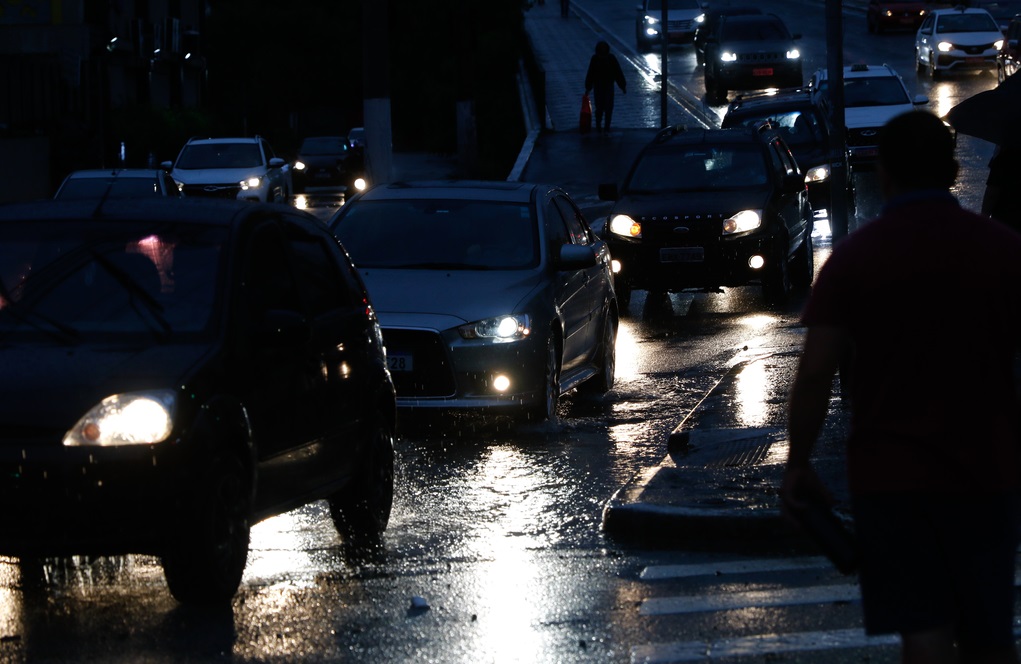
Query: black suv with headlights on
[(705, 208)]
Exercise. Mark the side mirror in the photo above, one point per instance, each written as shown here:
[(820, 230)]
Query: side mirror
[(276, 162), (167, 165), (576, 257), (608, 191), (919, 100)]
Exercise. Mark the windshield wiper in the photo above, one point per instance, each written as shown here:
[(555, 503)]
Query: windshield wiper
[(61, 331), (137, 292)]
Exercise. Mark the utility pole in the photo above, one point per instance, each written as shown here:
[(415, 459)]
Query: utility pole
[(376, 90), (838, 140), (664, 37)]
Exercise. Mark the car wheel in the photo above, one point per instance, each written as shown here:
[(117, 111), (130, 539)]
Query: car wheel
[(1000, 76), (602, 382), (803, 264), (546, 409), (361, 511), (934, 73), (919, 63), (205, 564), (776, 282)]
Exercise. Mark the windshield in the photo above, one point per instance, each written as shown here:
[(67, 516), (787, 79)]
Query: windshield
[(219, 155), (752, 29), (874, 91), (978, 22), (440, 234), (323, 146), (699, 168), (93, 278), (114, 187), (657, 5)]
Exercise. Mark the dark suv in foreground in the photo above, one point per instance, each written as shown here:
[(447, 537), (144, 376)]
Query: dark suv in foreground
[(706, 208)]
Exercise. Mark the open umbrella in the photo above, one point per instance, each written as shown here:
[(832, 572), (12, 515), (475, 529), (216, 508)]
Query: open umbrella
[(993, 115)]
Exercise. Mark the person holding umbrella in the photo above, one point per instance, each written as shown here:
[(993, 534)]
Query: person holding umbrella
[(995, 116)]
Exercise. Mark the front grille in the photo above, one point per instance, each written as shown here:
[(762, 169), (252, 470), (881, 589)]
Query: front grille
[(760, 57), (976, 50), (862, 136), (212, 190), (682, 232), (682, 25), (432, 374)]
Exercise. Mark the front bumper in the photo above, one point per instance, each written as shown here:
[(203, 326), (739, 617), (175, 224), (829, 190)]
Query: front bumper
[(706, 266), (961, 60), (759, 75), (92, 501)]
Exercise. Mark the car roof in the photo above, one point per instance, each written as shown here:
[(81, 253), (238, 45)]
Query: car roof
[(783, 98), (226, 139), (862, 70), (960, 9), (679, 135), (487, 190), (219, 212)]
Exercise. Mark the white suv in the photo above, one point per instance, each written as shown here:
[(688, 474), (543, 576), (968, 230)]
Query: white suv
[(243, 168), (872, 95)]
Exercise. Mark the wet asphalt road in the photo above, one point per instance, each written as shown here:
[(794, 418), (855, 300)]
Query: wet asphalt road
[(494, 552)]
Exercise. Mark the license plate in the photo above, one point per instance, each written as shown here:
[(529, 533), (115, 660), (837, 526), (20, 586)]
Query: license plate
[(399, 362), (865, 152), (681, 255), (974, 61), (762, 71), (322, 175)]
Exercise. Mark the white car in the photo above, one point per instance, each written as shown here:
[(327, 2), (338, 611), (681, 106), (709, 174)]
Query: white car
[(956, 39), (242, 168), (872, 95)]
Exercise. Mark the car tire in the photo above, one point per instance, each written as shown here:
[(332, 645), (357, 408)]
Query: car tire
[(361, 511), (776, 282), (920, 65), (205, 563), (606, 367), (546, 408), (934, 73), (803, 263)]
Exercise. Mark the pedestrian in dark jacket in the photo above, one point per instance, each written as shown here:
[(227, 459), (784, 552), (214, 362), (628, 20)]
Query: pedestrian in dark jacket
[(603, 73)]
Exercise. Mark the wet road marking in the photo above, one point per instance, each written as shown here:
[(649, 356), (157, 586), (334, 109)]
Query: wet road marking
[(661, 606), (701, 651), (660, 572)]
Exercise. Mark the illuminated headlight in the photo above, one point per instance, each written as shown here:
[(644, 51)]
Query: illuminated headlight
[(700, 18), (250, 183), (745, 220), (998, 44), (727, 56), (793, 54), (500, 329), (817, 174), (299, 165), (621, 224), (945, 47), (133, 418), (888, 13), (180, 185), (651, 21), (360, 184)]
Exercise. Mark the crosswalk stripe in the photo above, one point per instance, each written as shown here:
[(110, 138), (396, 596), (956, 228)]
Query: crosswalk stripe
[(661, 572), (700, 651), (660, 606)]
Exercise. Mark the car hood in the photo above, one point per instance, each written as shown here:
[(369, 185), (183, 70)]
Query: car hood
[(322, 159), (969, 38), (50, 385), (726, 203), (217, 175), (873, 116), (444, 299), (764, 46)]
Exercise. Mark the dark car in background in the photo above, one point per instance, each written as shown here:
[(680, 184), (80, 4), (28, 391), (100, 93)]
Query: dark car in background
[(177, 371), (702, 209), (1009, 56), (683, 19), (1002, 11), (750, 52), (98, 183), (886, 15), (708, 25), (328, 164), (806, 129), (494, 297)]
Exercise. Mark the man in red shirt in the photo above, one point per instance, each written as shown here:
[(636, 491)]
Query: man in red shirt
[(926, 301)]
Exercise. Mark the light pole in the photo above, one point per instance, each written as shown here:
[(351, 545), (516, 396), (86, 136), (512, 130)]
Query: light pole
[(838, 140)]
